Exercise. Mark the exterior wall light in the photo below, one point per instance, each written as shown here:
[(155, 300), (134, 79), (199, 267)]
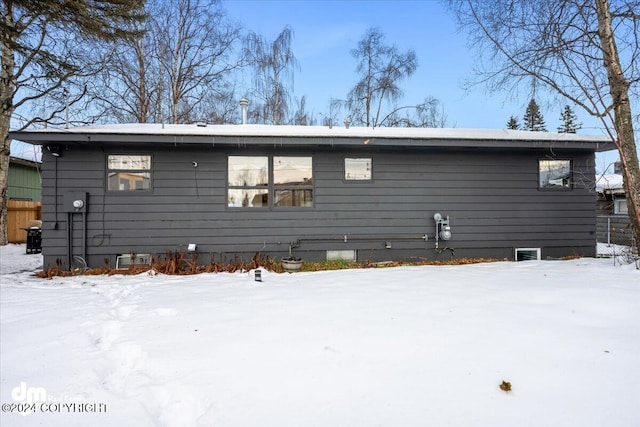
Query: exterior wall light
[(78, 204)]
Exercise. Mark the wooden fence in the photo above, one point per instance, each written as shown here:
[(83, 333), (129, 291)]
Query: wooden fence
[(19, 214)]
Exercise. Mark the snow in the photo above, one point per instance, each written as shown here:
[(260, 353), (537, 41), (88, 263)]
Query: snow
[(609, 182), (318, 131), (405, 346)]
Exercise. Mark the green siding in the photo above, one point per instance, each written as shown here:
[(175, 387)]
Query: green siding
[(24, 183)]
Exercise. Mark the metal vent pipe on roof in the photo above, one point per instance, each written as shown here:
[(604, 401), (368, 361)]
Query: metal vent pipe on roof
[(244, 102)]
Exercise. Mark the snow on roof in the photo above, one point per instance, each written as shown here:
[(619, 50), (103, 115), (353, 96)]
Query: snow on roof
[(322, 131), (609, 183)]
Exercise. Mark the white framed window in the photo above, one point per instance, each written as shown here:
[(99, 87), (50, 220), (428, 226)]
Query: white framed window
[(128, 172), (527, 254), (620, 207), (358, 169), (554, 174), (269, 181)]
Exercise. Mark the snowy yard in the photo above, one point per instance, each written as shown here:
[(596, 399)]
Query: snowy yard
[(407, 346)]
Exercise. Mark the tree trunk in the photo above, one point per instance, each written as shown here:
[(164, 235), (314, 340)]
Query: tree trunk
[(623, 121), (7, 88)]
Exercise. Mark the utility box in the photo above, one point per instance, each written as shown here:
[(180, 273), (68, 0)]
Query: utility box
[(75, 202)]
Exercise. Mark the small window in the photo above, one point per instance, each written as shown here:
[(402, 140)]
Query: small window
[(620, 207), (248, 181), (357, 169), (554, 174), (126, 172), (527, 254), (344, 254)]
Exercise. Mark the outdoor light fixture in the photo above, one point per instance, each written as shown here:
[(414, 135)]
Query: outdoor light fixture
[(54, 150), (191, 247), (78, 204), (258, 275), (387, 245)]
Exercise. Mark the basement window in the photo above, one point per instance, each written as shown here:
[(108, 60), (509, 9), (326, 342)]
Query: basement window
[(128, 172), (344, 255), (527, 254)]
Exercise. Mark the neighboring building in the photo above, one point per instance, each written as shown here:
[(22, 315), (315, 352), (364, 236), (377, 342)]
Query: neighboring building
[(24, 181), (358, 193), (614, 225)]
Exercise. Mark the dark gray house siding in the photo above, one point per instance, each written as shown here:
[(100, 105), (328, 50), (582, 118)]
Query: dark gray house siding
[(491, 195)]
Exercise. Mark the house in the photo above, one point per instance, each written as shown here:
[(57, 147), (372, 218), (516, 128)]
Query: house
[(24, 180), (614, 225), (225, 191)]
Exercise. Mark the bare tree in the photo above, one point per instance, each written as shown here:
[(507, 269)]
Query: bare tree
[(381, 68), (302, 117), (586, 51), (428, 114), (194, 47), (273, 63), (43, 50), (128, 88)]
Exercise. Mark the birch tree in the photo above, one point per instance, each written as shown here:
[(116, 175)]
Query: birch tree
[(585, 51), (273, 63), (381, 68), (44, 47)]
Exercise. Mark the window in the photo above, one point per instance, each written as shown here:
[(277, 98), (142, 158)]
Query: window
[(554, 174), (127, 172), (344, 254), (357, 169), (248, 182), (262, 181), (620, 206), (527, 254), (293, 181)]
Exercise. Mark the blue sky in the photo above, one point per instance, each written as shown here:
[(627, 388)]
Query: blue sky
[(326, 31)]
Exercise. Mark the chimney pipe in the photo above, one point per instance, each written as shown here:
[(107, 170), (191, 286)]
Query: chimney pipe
[(244, 102)]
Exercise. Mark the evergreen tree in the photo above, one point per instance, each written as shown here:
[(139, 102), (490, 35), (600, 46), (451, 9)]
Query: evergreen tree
[(513, 123), (569, 121), (533, 119)]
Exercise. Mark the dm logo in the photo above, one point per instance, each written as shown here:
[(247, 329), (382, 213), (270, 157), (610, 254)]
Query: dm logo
[(28, 395)]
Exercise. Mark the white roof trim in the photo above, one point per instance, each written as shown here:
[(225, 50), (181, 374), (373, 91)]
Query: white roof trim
[(323, 131)]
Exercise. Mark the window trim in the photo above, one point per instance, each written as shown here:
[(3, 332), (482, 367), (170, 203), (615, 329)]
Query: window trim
[(271, 187), (556, 188), (108, 171)]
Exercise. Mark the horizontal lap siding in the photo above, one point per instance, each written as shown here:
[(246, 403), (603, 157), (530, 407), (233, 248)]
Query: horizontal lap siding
[(491, 197)]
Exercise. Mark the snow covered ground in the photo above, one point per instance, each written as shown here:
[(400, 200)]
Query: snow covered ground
[(407, 346)]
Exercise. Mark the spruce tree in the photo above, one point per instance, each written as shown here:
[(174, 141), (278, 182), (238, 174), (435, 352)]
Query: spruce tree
[(569, 121), (533, 119), (513, 123)]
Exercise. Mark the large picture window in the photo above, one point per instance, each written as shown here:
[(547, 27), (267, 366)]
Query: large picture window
[(264, 181), (554, 174), (128, 172)]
